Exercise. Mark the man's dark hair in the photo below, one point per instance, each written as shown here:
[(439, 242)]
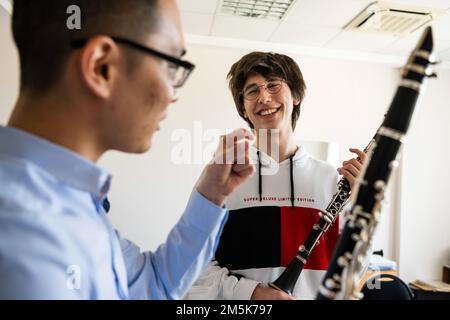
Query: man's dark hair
[(266, 64), (44, 40)]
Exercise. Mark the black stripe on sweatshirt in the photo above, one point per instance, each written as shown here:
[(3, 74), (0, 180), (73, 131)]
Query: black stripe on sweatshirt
[(251, 238)]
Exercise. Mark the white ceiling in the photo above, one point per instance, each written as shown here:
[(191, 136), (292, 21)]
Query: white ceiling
[(313, 24)]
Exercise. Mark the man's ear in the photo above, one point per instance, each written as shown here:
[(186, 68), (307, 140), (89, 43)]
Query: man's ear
[(98, 65)]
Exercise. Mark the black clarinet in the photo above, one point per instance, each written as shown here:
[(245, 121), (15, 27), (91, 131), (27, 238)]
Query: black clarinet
[(342, 276), (288, 279)]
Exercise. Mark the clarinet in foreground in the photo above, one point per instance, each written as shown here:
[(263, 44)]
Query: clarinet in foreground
[(341, 279), (288, 279)]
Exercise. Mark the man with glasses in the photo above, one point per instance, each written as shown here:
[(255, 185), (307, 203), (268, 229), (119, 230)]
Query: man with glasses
[(272, 213), (83, 92)]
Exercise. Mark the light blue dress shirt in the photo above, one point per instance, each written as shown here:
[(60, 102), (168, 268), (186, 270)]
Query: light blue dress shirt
[(56, 241)]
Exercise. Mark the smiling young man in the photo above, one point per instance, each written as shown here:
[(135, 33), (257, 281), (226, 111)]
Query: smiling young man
[(272, 213), (83, 92)]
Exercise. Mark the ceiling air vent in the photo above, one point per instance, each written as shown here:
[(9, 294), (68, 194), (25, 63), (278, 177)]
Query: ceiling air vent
[(263, 9), (394, 19)]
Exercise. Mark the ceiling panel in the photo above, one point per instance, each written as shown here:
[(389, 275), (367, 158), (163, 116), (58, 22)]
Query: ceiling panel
[(198, 6), (304, 35), (326, 13), (243, 27), (197, 23)]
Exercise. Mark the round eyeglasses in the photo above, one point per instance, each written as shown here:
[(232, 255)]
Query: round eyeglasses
[(253, 91)]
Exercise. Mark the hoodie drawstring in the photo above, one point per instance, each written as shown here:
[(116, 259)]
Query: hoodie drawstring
[(291, 158), (292, 181), (260, 177)]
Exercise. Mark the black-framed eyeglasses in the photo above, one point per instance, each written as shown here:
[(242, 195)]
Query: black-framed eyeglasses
[(252, 92), (179, 70)]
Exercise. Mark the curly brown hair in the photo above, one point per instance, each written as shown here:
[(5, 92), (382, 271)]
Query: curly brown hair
[(266, 64)]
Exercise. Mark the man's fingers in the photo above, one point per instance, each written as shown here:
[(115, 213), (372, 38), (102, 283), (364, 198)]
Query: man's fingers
[(361, 154), (243, 170), (243, 161), (235, 151), (241, 152), (223, 141)]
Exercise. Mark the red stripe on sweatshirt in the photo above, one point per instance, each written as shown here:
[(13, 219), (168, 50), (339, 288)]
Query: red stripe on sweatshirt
[(296, 224)]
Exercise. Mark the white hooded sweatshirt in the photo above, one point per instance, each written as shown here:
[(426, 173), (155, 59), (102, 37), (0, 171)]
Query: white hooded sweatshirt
[(266, 226)]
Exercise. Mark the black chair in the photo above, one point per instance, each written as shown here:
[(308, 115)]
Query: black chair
[(386, 287)]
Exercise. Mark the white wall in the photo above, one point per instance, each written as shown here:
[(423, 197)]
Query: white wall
[(345, 103), (425, 188)]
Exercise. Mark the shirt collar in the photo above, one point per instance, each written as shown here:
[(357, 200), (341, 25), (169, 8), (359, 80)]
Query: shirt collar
[(62, 163)]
